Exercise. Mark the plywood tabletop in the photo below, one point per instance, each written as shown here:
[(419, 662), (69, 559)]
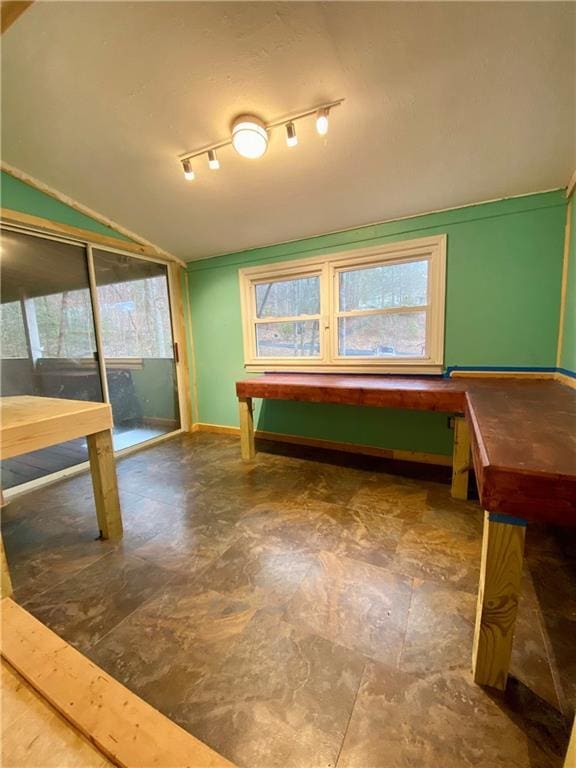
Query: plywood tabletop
[(29, 423)]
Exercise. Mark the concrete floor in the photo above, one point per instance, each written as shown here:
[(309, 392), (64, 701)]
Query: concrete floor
[(310, 610)]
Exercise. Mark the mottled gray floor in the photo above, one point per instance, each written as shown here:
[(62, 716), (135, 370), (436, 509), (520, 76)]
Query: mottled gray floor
[(309, 610)]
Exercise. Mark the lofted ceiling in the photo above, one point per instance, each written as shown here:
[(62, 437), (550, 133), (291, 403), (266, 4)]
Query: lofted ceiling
[(446, 104)]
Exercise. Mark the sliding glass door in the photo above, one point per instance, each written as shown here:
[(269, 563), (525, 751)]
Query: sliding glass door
[(48, 339), (136, 333), (85, 324)]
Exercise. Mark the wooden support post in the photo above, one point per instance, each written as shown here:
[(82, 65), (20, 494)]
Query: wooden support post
[(498, 593), (6, 585), (570, 759), (6, 581), (246, 429), (461, 458), (103, 470)]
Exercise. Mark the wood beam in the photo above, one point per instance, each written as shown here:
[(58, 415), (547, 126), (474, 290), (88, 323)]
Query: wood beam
[(571, 186), (461, 460), (103, 470), (10, 216), (498, 594), (10, 10), (247, 448), (175, 277)]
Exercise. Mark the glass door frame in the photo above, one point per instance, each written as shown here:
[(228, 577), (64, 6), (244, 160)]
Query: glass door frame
[(178, 343)]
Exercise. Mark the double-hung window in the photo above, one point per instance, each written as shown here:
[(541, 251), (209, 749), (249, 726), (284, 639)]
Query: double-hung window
[(378, 309)]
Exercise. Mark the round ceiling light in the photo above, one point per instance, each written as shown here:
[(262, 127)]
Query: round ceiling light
[(249, 136)]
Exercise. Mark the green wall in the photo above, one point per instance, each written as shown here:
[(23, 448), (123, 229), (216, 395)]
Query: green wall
[(568, 351), (504, 265), (19, 196)]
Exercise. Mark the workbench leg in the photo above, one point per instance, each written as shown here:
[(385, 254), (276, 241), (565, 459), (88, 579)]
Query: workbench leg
[(103, 471), (498, 594), (6, 581), (570, 759), (246, 429), (461, 458)]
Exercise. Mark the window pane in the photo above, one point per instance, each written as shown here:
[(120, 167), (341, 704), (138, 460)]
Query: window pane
[(47, 339), (13, 334), (391, 335), (288, 298), (136, 335), (385, 286), (291, 339)]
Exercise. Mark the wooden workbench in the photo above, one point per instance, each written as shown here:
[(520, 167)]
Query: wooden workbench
[(31, 423), (521, 436)]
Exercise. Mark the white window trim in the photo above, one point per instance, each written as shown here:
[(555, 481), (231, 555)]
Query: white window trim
[(327, 268)]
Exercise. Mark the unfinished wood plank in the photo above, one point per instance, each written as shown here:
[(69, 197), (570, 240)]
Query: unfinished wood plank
[(247, 448), (461, 458), (34, 734), (6, 583), (103, 469), (30, 423), (175, 277), (498, 594), (5, 580), (139, 247), (126, 729)]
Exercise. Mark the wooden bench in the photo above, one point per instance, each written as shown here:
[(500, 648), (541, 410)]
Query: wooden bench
[(29, 423), (520, 436)]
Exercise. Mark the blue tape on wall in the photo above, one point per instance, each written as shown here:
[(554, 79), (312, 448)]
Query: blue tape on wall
[(496, 518)]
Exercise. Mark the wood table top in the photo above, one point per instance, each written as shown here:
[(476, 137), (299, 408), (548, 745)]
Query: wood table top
[(523, 432), (29, 423)]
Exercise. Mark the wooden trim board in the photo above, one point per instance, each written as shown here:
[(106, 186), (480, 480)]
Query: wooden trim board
[(332, 445), (568, 381), (125, 728), (571, 186), (179, 334), (71, 203), (84, 235), (564, 284), (10, 10)]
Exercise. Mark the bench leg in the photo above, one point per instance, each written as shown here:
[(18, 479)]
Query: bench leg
[(6, 581), (6, 585), (246, 429), (498, 593), (461, 458), (103, 469)]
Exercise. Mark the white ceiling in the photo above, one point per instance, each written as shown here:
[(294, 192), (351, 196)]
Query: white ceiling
[(446, 104)]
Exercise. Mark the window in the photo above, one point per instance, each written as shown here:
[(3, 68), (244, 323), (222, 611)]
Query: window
[(378, 309)]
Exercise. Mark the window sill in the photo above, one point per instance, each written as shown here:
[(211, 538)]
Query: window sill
[(421, 370)]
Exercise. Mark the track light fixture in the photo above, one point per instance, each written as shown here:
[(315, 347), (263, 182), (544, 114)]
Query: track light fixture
[(291, 138), (189, 174), (213, 162), (250, 136), (322, 121)]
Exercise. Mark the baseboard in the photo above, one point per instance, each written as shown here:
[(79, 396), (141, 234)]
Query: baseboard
[(564, 378), (331, 445)]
